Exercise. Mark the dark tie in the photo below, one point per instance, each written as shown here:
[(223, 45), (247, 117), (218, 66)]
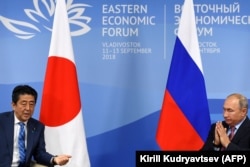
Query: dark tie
[(21, 143), (231, 135)]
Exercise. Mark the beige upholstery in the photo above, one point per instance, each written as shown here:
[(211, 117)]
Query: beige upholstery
[(34, 164)]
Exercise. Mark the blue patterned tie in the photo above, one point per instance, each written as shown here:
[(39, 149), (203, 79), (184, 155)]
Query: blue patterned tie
[(21, 143)]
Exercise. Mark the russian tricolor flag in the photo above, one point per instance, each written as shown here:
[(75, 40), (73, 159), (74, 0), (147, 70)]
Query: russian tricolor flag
[(184, 121)]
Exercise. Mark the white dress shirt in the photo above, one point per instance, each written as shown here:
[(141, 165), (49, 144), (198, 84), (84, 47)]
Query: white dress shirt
[(15, 160)]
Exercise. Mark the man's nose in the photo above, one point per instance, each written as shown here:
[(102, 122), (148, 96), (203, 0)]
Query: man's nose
[(225, 113), (27, 107)]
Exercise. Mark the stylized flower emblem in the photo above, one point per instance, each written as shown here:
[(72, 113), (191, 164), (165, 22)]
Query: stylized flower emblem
[(27, 30)]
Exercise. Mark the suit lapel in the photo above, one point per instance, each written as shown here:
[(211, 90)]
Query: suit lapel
[(30, 133)]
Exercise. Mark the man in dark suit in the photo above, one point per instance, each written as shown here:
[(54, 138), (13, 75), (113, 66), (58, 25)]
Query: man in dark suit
[(23, 103), (232, 134)]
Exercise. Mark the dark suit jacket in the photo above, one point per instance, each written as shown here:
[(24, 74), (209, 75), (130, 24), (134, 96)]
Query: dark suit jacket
[(240, 141), (35, 141)]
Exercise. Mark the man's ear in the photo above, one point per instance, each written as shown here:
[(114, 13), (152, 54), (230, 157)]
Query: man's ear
[(244, 111), (13, 105)]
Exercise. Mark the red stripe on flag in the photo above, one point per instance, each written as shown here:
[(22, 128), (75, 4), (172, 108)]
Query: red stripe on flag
[(175, 128), (60, 102)]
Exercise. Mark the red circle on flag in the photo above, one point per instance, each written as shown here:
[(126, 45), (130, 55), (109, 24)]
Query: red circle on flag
[(61, 98)]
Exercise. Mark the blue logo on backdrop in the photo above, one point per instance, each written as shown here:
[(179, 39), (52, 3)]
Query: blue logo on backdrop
[(39, 19)]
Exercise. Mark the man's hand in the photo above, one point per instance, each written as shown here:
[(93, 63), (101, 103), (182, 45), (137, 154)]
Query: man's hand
[(222, 133), (61, 159), (216, 136)]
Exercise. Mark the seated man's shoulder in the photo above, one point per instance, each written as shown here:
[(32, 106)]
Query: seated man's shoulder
[(36, 122)]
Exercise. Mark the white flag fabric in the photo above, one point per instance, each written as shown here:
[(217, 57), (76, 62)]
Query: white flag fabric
[(61, 109)]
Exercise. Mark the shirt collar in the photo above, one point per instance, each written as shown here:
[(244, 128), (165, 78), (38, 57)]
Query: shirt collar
[(17, 120), (239, 124)]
